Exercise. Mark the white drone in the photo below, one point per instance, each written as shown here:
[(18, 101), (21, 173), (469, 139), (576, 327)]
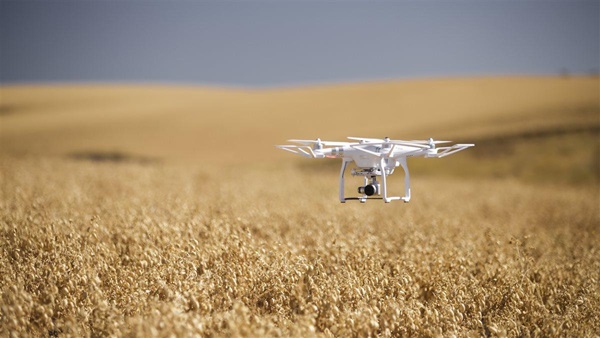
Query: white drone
[(373, 157)]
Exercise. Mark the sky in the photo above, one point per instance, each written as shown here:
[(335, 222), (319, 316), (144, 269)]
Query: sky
[(281, 43)]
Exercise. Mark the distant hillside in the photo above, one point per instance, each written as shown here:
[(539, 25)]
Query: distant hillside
[(219, 126)]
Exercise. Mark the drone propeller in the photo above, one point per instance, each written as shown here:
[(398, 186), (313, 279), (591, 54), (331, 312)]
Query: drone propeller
[(409, 144), (318, 141), (428, 142), (368, 140), (379, 140), (412, 143)]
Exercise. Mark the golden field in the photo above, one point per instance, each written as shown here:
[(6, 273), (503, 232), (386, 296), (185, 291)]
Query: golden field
[(166, 211)]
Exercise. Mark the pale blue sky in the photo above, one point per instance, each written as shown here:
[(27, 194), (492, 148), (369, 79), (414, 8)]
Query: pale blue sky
[(271, 43)]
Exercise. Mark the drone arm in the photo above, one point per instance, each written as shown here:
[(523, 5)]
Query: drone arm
[(312, 153), (391, 150), (445, 151), (294, 150), (303, 152), (298, 150), (372, 153), (410, 153)]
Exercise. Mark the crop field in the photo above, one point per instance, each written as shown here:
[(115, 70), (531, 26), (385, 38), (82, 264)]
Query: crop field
[(145, 211)]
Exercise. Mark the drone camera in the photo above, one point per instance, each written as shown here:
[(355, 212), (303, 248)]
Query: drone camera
[(369, 189)]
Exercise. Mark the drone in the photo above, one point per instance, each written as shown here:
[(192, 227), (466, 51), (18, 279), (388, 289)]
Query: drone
[(373, 157)]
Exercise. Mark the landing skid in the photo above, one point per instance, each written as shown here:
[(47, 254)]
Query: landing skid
[(364, 199)]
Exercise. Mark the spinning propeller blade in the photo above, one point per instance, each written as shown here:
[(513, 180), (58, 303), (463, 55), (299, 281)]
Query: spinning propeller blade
[(369, 140), (409, 144), (424, 144), (427, 142), (325, 143), (378, 141)]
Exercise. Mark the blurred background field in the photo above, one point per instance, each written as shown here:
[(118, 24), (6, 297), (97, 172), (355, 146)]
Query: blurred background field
[(541, 129)]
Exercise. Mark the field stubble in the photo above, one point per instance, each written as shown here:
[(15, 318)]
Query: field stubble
[(113, 224), (150, 249)]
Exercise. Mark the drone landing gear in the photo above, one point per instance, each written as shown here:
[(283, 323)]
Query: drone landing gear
[(342, 172), (371, 188), (406, 197)]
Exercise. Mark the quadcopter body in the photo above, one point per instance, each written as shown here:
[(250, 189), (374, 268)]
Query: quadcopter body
[(373, 158)]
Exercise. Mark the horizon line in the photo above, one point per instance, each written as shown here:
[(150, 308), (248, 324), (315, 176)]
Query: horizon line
[(308, 84)]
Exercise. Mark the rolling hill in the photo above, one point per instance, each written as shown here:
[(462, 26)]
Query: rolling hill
[(522, 125)]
